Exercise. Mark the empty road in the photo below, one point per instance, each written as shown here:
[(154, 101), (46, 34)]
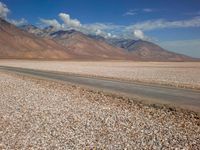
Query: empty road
[(185, 98)]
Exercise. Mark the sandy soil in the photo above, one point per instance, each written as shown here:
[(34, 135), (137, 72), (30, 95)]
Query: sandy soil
[(179, 74), (38, 114)]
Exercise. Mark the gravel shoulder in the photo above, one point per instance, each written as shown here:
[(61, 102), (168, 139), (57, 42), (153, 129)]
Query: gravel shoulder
[(38, 114)]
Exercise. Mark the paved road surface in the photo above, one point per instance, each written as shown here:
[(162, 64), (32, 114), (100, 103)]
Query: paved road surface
[(186, 98)]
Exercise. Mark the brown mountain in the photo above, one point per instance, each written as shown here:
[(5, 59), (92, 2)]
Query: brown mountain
[(145, 51), (83, 46), (48, 44), (15, 43), (80, 44), (149, 51)]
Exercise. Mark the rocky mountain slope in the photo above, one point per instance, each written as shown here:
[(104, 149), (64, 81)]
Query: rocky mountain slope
[(31, 42), (144, 50), (37, 44), (15, 43), (81, 45), (149, 51)]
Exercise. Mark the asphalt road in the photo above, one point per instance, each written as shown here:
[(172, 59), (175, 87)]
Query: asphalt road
[(185, 98)]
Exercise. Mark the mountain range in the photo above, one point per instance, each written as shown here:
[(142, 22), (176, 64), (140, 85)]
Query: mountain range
[(31, 42)]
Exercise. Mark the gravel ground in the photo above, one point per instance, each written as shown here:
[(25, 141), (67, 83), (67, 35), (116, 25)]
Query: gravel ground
[(179, 74), (38, 114)]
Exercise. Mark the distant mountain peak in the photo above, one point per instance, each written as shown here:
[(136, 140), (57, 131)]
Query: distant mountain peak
[(32, 29), (28, 26), (75, 45), (81, 44), (62, 33)]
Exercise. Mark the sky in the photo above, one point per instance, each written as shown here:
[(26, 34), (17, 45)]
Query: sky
[(173, 24)]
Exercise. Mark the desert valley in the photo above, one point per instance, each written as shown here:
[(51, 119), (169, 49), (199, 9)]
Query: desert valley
[(67, 89)]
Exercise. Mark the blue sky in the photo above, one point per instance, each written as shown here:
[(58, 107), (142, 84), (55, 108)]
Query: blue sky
[(174, 24)]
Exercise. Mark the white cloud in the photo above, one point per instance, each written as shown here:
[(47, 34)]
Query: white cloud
[(105, 30), (18, 22), (129, 13), (109, 34), (52, 22), (3, 10), (133, 12), (160, 24), (102, 26), (68, 21), (130, 31), (139, 34), (98, 32), (103, 33)]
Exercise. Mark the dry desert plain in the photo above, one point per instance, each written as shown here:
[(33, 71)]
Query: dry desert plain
[(41, 114), (178, 74)]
